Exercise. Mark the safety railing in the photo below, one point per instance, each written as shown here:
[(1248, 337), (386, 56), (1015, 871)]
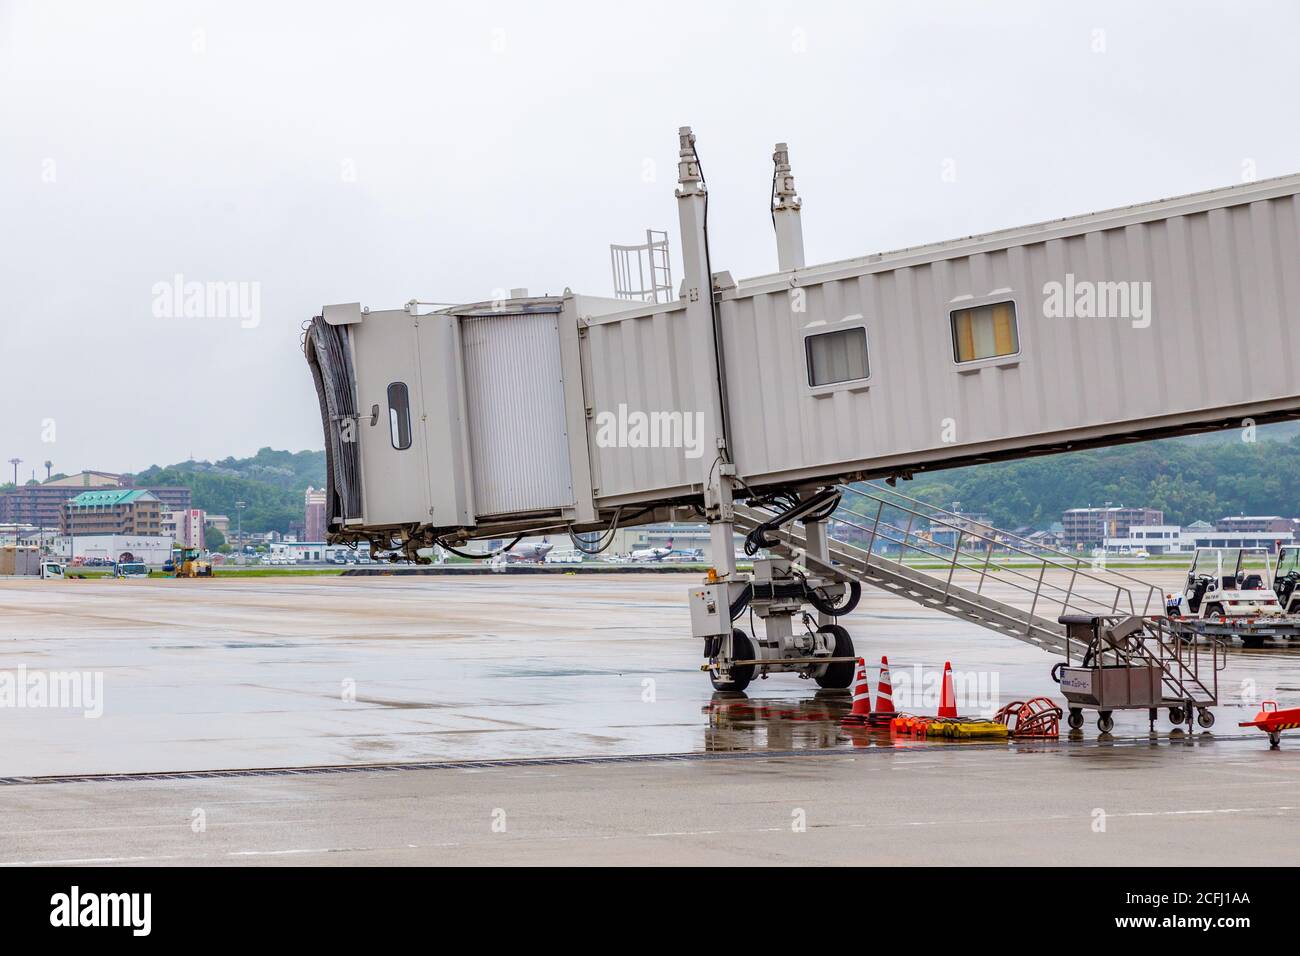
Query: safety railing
[(1034, 572)]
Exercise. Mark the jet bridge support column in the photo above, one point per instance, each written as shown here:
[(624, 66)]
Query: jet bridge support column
[(786, 206), (717, 471)]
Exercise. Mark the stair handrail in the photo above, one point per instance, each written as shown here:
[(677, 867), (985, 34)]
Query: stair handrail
[(1037, 590), (1076, 563)]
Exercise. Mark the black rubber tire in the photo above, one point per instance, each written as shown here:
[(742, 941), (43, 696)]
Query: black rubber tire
[(1205, 718), (1214, 612), (1105, 723), (1254, 643), (1075, 720), (838, 675), (1177, 715), (1274, 740), (743, 649)]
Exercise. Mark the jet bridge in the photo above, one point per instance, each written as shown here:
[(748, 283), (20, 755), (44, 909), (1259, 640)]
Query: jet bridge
[(579, 414)]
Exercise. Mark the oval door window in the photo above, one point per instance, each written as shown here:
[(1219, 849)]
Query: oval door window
[(399, 415)]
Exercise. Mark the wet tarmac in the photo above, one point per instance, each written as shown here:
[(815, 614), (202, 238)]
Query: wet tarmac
[(564, 719), (285, 672)]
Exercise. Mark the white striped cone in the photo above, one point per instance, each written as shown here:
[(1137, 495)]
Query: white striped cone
[(861, 697), (884, 690)]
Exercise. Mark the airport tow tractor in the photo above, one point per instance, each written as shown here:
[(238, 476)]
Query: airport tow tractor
[(1273, 721), (1285, 579), (1232, 593)]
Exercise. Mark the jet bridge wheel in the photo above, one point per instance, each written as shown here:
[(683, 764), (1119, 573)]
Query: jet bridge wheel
[(839, 675), (742, 649)]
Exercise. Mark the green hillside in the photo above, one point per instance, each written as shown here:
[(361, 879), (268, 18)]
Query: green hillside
[(271, 483), (1201, 477)]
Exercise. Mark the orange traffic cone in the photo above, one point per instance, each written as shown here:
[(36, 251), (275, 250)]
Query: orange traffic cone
[(883, 712), (861, 699), (948, 698)]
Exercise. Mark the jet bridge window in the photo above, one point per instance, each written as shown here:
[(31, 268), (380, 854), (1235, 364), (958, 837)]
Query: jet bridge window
[(399, 415), (986, 331), (839, 356)]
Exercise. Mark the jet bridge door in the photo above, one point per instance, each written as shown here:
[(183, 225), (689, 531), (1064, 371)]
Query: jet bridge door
[(390, 403)]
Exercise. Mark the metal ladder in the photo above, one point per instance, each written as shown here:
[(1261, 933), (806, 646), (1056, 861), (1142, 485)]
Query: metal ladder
[(1035, 585), (1181, 665)]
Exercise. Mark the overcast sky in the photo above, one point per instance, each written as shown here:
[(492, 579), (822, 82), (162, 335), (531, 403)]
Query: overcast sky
[(334, 152)]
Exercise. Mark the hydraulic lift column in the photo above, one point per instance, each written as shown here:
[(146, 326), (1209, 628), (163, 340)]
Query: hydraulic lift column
[(786, 205), (716, 468)]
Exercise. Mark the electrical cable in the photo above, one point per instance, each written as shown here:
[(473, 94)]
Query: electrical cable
[(771, 200), (713, 302), (485, 554)]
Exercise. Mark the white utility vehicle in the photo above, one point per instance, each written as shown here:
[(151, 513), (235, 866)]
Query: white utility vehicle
[(1286, 577), (1227, 584), (51, 570)]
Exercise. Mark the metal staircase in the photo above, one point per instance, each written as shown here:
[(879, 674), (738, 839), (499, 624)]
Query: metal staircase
[(1183, 674), (973, 571)]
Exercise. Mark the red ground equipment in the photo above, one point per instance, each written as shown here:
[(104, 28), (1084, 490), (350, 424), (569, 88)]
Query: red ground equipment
[(1273, 721), (1036, 717)]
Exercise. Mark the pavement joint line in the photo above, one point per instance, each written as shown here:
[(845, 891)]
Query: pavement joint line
[(1027, 745)]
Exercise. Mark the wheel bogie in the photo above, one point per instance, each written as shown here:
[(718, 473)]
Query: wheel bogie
[(742, 649), (838, 675)]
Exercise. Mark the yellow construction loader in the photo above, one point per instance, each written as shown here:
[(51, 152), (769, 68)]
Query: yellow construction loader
[(188, 563)]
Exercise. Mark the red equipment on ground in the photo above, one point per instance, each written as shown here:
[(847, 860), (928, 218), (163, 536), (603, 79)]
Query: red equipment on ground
[(1273, 721), (1036, 717)]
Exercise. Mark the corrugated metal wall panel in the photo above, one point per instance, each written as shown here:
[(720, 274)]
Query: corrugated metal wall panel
[(638, 364), (1223, 292), (514, 396)]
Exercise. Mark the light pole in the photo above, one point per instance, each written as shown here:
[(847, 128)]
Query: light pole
[(239, 524), (15, 462)]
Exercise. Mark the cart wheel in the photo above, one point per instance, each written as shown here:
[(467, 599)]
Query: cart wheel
[(1105, 722), (741, 649), (1274, 739), (1176, 715), (1075, 720), (1204, 717), (838, 675)]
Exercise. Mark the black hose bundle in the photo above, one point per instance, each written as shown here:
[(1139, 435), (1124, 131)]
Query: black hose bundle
[(797, 588)]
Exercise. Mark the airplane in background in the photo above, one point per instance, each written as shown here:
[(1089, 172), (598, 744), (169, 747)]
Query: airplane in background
[(653, 554), (534, 551)]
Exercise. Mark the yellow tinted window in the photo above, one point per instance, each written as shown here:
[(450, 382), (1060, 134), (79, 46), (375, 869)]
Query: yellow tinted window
[(985, 331)]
